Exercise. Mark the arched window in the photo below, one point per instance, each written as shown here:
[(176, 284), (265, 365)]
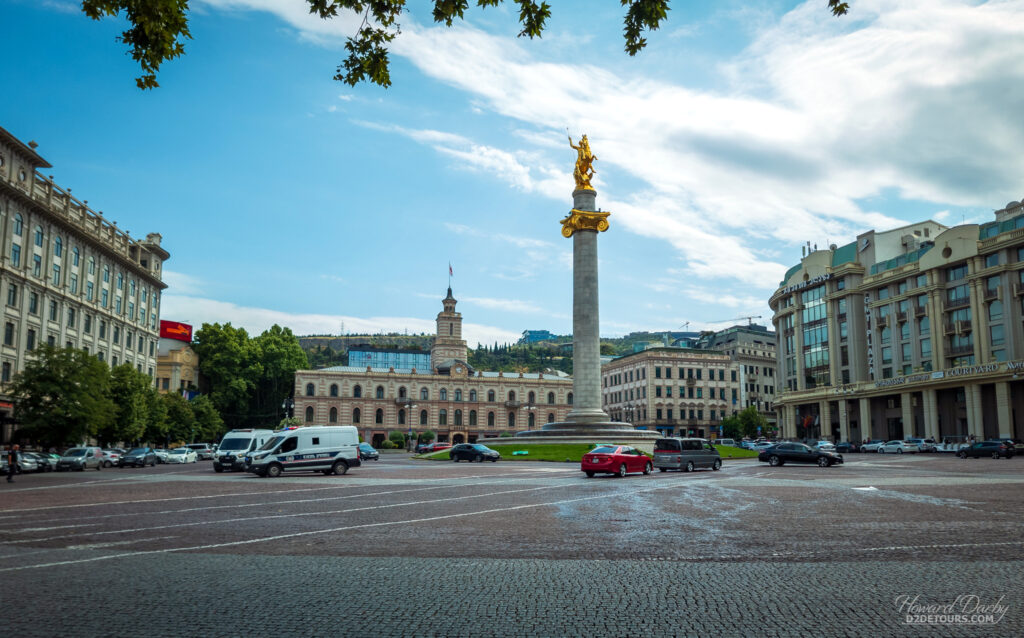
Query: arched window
[(334, 389), (39, 236), (401, 392), (472, 396), (451, 330), (530, 422), (569, 399), (380, 392), (551, 417), (379, 416), (490, 396), (423, 417), (551, 398), (309, 389), (355, 415), (424, 394), (18, 224), (511, 420), (472, 417), (58, 246), (92, 265), (357, 391), (309, 414), (511, 395), (442, 417), (333, 417), (106, 274), (531, 398), (401, 417), (490, 419), (444, 394), (458, 417), (458, 395)]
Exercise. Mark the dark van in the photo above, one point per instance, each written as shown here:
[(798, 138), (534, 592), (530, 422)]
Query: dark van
[(685, 454)]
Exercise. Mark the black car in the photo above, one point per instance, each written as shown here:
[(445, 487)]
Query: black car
[(138, 457), (783, 453), (995, 449), (367, 453), (473, 452), (846, 446)]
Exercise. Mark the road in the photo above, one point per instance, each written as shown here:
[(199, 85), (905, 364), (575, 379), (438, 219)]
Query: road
[(406, 547)]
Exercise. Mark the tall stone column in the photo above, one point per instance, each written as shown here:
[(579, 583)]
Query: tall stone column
[(975, 426), (864, 407), (931, 414), (907, 414), (586, 335), (825, 420), (1003, 411), (844, 420)]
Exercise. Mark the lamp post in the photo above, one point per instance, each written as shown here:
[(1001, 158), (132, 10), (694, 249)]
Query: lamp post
[(288, 407), (409, 408), (530, 407)]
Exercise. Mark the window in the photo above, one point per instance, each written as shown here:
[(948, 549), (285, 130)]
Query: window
[(926, 348), (551, 417), (56, 275), (401, 392), (423, 417), (569, 399), (87, 324), (71, 317), (531, 397), (128, 339), (104, 298), (58, 246), (15, 255), (117, 334), (511, 395), (490, 396), (92, 266), (357, 392), (89, 290), (991, 260), (74, 284), (39, 236), (924, 327), (37, 266), (355, 415), (12, 295), (472, 396), (8, 334), (995, 310), (106, 274), (443, 394), (18, 224), (442, 417), (490, 419), (458, 417), (53, 310), (378, 416), (997, 335), (310, 388), (401, 417), (472, 417), (5, 375), (334, 389), (380, 392), (309, 419), (424, 394), (551, 398), (30, 339), (956, 272), (120, 281), (74, 256), (458, 395), (511, 420)]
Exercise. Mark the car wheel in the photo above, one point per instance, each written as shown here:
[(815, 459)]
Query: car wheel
[(217, 468), (454, 458), (648, 468), (339, 468), (962, 455), (899, 450), (823, 461), (274, 470), (479, 458), (717, 465), (590, 475), (774, 461), (689, 466), (881, 451), (107, 464), (622, 470), (995, 455)]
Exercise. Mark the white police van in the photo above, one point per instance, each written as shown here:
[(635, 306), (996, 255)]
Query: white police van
[(236, 445), (330, 449)]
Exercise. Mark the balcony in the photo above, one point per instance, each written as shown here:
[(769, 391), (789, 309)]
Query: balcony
[(691, 381), (959, 351), (963, 326), (1018, 288), (901, 317), (920, 310), (950, 327), (881, 322), (512, 405), (961, 302), (991, 294)]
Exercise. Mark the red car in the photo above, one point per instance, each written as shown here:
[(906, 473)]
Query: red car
[(615, 459), (434, 447)]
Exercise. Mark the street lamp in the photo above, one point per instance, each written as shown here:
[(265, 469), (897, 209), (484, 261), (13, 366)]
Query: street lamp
[(409, 408), (288, 407), (530, 407)]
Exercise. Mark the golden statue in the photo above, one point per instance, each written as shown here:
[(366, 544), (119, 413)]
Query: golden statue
[(584, 170)]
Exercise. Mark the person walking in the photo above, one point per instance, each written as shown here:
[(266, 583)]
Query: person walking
[(12, 462)]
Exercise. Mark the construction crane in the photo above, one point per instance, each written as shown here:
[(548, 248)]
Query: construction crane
[(749, 318)]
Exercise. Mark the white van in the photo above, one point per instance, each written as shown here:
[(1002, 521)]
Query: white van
[(330, 449), (235, 445)]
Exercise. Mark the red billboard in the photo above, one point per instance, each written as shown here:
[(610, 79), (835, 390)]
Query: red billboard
[(175, 330)]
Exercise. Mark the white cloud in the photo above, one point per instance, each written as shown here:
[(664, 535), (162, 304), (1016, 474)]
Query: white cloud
[(181, 284), (199, 310), (506, 305)]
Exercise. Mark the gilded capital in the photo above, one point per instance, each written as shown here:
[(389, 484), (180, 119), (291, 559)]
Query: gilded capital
[(584, 220)]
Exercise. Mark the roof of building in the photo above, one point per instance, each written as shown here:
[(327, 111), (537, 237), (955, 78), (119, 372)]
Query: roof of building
[(676, 350), (24, 148), (364, 369), (486, 375)]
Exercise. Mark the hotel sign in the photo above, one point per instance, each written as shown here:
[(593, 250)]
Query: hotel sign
[(804, 284), (965, 371)]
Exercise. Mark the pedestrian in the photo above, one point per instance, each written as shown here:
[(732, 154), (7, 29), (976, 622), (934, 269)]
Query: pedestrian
[(12, 462)]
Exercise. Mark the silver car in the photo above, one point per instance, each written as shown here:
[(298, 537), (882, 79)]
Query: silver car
[(81, 458), (685, 454)]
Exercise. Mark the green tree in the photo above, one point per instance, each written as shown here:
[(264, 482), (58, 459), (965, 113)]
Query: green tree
[(209, 425), (156, 425), (62, 396), (230, 369), (289, 422), (750, 420), (398, 438), (181, 421), (158, 29), (279, 355), (426, 436), (129, 390), (732, 428)]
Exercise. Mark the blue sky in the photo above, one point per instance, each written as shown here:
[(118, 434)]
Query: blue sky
[(745, 129)]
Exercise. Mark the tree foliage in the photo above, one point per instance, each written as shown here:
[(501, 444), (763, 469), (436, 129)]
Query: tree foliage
[(129, 391), (158, 29), (62, 396)]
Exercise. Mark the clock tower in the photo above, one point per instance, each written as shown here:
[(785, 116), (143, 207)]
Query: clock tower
[(448, 344)]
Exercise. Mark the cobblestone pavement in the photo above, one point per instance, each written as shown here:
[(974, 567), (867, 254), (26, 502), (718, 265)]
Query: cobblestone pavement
[(402, 547)]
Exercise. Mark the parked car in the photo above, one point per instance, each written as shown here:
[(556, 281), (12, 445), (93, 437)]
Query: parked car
[(762, 445), (473, 452), (847, 446), (685, 454), (924, 445), (824, 445), (203, 451), (27, 462), (615, 459), (434, 447), (898, 446), (995, 449), (1015, 444), (182, 455), (872, 446), (47, 462), (161, 454), (368, 453), (731, 442), (111, 457), (138, 457), (81, 458), (798, 453)]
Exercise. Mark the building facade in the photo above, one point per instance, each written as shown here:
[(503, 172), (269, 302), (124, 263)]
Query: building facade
[(450, 398), (371, 357), (678, 391), (917, 331), (753, 348), (177, 364), (70, 278)]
